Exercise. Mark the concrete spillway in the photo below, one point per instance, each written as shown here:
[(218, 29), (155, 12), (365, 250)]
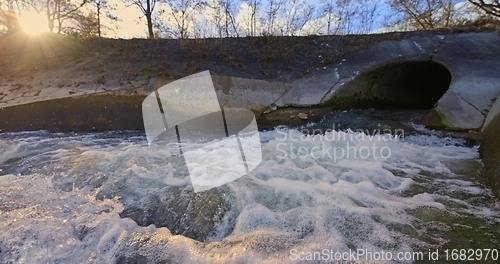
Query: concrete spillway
[(455, 75)]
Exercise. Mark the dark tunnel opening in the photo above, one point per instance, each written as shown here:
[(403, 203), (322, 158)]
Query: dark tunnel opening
[(415, 84)]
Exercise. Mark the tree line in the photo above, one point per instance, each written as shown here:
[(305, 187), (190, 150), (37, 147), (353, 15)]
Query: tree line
[(235, 18), (434, 14)]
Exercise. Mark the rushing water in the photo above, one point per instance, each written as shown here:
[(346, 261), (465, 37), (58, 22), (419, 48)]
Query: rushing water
[(108, 198)]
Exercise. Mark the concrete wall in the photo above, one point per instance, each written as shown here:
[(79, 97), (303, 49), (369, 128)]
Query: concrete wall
[(122, 109), (257, 95), (494, 111), (490, 147), (472, 58), (94, 112)]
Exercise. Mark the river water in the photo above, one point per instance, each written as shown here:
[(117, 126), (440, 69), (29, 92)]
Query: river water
[(361, 186)]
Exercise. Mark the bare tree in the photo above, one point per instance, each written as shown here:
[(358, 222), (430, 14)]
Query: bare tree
[(82, 26), (328, 10), (61, 10), (181, 14), (254, 5), (223, 17), (230, 24), (9, 21), (346, 13), (365, 15), (217, 16), (490, 7), (147, 7), (271, 15), (447, 14), (102, 8), (424, 14), (296, 14), (348, 16)]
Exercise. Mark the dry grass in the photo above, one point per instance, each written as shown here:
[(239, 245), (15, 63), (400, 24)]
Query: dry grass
[(267, 57)]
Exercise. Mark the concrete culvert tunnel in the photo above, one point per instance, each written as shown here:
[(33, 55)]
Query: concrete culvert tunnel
[(414, 84)]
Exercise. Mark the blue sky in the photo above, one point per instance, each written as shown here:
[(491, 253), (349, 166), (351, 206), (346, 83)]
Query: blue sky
[(132, 24)]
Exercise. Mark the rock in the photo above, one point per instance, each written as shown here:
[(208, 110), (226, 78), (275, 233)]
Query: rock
[(291, 117), (302, 116), (271, 109)]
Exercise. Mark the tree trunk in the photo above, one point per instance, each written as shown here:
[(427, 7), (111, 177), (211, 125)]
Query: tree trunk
[(150, 26), (50, 19), (150, 21), (99, 20)]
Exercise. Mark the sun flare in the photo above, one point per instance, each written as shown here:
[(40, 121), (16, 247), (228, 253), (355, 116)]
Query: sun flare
[(33, 23)]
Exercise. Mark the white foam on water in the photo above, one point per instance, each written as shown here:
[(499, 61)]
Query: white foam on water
[(68, 209)]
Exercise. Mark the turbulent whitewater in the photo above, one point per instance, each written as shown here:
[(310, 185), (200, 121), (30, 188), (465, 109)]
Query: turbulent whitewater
[(109, 198)]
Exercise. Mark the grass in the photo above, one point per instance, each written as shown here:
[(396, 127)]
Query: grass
[(254, 57)]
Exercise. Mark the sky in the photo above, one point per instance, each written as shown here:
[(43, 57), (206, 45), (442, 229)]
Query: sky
[(132, 24)]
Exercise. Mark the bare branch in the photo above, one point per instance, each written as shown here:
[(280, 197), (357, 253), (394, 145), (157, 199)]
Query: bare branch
[(491, 8)]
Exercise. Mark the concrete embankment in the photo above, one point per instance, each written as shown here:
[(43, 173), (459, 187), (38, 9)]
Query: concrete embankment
[(105, 111), (463, 69), (122, 109), (490, 147), (454, 72), (490, 153)]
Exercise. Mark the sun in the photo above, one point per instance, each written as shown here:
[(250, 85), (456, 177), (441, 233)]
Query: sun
[(33, 23)]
